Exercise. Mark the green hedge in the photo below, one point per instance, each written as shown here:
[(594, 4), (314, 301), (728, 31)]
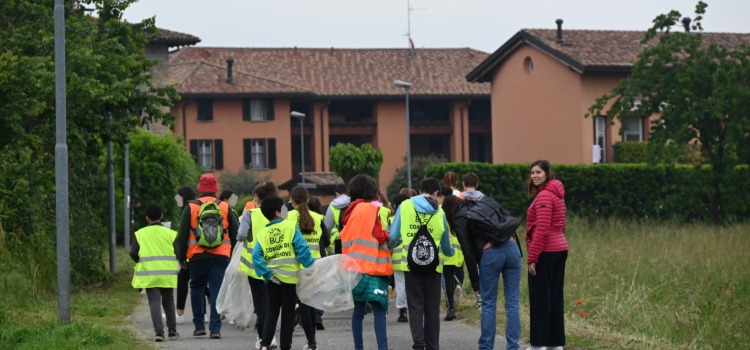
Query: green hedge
[(631, 152), (631, 191)]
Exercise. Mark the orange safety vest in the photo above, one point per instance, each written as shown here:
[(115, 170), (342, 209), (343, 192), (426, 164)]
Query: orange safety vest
[(193, 247), (357, 242), (249, 205)]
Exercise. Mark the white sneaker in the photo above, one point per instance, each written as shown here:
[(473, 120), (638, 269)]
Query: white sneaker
[(257, 343), (537, 348), (180, 319), (274, 344), (307, 347), (556, 348), (457, 294)]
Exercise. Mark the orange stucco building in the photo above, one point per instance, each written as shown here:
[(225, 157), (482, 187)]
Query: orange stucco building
[(236, 105), (543, 81)]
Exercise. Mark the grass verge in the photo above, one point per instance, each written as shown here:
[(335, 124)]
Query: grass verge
[(99, 313), (650, 285)]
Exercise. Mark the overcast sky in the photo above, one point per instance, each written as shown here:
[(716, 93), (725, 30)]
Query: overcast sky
[(479, 24)]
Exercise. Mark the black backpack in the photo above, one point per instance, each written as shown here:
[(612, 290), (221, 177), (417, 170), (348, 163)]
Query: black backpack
[(422, 255), (492, 220)]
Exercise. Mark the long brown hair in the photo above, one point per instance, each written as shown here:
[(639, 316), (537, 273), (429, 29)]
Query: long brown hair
[(265, 189), (300, 196), (547, 168), (450, 207)]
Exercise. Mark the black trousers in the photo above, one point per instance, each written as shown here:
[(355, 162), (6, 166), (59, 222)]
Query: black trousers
[(281, 299), (449, 275), (423, 300), (260, 298), (307, 319), (183, 277), (546, 300)]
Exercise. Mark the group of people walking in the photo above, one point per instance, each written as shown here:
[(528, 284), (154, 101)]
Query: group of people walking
[(279, 239)]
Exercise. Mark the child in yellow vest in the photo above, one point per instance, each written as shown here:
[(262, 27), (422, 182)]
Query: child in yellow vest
[(156, 270)]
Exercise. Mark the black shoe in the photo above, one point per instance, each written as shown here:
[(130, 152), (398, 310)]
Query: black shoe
[(450, 316), (216, 335), (199, 332), (402, 315), (319, 325), (159, 336), (173, 335)]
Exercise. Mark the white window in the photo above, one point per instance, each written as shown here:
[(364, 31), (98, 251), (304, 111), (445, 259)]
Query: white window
[(258, 151), (257, 110), (205, 154), (600, 137), (632, 129)]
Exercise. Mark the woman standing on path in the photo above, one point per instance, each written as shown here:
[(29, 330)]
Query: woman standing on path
[(547, 253)]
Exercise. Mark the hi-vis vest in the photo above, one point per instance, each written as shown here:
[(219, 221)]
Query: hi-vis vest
[(278, 252), (335, 234), (357, 241), (157, 264), (458, 257), (224, 248), (259, 222), (312, 238), (408, 229)]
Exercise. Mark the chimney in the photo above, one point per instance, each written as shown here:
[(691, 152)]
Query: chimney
[(230, 62), (559, 22), (686, 24)]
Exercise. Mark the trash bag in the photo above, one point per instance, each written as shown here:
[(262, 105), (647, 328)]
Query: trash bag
[(327, 284), (234, 300)]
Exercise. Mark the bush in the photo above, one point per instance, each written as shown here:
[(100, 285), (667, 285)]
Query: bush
[(418, 166), (631, 152), (348, 160), (631, 191), (242, 182)]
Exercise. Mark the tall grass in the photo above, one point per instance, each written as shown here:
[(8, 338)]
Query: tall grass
[(653, 285)]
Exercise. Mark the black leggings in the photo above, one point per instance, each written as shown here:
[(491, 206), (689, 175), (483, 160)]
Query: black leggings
[(546, 301)]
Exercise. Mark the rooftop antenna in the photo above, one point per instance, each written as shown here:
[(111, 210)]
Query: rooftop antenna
[(408, 23)]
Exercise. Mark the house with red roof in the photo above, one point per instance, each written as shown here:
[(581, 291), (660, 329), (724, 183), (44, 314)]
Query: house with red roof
[(543, 82), (236, 105)]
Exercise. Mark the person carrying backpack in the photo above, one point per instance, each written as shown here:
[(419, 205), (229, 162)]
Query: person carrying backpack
[(206, 234), (487, 258), (420, 229)]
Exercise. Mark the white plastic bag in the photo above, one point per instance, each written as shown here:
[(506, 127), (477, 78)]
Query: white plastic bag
[(328, 283), (234, 300)]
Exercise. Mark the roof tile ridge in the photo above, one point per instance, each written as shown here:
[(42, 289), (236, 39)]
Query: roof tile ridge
[(195, 64)]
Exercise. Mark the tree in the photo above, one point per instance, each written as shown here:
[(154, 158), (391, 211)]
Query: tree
[(108, 86), (700, 89), (348, 160), (418, 166)]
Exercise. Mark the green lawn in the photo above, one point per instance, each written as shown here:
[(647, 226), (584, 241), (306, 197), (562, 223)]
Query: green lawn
[(651, 285)]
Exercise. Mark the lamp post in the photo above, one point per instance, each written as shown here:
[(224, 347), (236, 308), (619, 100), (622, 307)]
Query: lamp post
[(406, 86), (301, 117)]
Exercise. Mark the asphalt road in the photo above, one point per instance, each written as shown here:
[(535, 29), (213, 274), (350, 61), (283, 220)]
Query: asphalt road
[(337, 334)]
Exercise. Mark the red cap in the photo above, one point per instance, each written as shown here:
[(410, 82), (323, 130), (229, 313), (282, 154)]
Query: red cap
[(208, 184)]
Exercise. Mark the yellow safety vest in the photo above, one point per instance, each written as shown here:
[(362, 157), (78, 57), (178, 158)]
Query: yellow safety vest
[(259, 222), (157, 264), (408, 229), (276, 241), (335, 229), (312, 238), (458, 257)]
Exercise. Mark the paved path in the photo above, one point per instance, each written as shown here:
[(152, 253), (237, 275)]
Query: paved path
[(337, 335)]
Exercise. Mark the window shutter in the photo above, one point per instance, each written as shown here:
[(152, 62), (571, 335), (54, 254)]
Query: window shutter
[(219, 155), (269, 107), (245, 109), (194, 149), (271, 153), (247, 152)]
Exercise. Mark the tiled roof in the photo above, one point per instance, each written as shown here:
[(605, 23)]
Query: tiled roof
[(173, 38), (338, 72), (588, 50), (201, 78)]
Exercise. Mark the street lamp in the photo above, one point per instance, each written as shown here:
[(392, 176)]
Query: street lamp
[(406, 86), (301, 117)]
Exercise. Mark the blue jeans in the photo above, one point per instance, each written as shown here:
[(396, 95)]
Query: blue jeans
[(359, 315), (505, 260), (206, 271)]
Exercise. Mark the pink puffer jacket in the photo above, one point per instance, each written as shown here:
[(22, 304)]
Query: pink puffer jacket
[(545, 222)]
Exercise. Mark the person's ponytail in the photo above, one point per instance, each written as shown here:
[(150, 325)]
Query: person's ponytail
[(300, 196)]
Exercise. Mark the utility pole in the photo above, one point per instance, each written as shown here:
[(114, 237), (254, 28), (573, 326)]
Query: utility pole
[(112, 223), (126, 235), (62, 213)]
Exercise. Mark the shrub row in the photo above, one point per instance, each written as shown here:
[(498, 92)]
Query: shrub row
[(630, 191)]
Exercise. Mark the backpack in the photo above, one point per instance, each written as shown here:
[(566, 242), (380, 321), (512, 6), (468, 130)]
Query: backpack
[(209, 232), (422, 255), (492, 220)]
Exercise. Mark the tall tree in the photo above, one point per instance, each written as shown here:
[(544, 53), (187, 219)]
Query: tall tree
[(108, 86), (699, 87), (348, 160)]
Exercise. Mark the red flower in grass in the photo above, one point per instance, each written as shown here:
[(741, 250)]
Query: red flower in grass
[(583, 314), (580, 302)]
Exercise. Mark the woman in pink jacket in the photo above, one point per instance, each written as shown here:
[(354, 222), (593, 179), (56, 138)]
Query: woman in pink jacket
[(547, 252)]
